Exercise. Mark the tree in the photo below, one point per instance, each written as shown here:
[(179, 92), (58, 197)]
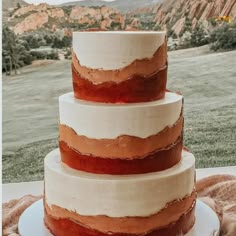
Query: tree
[(64, 42), (23, 52), (18, 5), (9, 52), (34, 40), (57, 43), (199, 37), (188, 25), (49, 38), (67, 41), (15, 52)]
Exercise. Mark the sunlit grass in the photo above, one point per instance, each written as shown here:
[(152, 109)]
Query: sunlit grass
[(207, 81)]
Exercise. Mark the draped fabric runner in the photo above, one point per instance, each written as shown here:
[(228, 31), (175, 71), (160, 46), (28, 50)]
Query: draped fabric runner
[(11, 212), (218, 192)]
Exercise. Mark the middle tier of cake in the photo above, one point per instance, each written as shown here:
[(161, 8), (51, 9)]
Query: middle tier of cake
[(121, 138)]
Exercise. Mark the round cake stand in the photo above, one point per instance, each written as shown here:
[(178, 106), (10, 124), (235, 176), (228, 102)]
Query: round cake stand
[(31, 221)]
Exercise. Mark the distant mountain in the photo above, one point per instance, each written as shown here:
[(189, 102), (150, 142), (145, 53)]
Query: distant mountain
[(122, 5), (7, 4), (177, 16)]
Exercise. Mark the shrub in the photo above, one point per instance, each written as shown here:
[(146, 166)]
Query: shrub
[(36, 55), (64, 42), (53, 55), (146, 25), (68, 54), (115, 25), (67, 9), (223, 37), (49, 38), (199, 37), (185, 41), (212, 22), (34, 40)]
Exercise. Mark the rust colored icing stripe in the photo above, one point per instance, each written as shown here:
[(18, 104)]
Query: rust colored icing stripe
[(130, 225), (142, 67), (137, 88), (62, 227), (157, 161), (124, 146)]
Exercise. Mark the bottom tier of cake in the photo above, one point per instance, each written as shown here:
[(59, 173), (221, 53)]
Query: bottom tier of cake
[(158, 204)]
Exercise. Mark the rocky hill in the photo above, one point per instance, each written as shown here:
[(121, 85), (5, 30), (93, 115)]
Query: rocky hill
[(9, 6), (43, 16), (176, 14), (173, 15), (122, 5), (6, 4)]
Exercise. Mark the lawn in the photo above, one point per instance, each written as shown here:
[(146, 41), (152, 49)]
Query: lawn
[(207, 81)]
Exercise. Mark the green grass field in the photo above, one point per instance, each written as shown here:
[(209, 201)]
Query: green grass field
[(207, 81)]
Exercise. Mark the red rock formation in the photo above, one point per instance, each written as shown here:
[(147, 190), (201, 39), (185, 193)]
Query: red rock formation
[(135, 23), (194, 9), (107, 11), (207, 12), (169, 13), (32, 22), (159, 16), (166, 18), (200, 9), (194, 23), (228, 7), (67, 32), (176, 11), (56, 13), (79, 12), (104, 15), (87, 20), (179, 25), (37, 17), (105, 23), (232, 14), (29, 8)]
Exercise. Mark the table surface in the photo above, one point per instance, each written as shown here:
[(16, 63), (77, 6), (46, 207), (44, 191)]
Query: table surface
[(17, 190)]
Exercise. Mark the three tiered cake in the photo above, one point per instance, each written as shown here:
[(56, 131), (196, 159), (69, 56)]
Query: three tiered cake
[(121, 168)]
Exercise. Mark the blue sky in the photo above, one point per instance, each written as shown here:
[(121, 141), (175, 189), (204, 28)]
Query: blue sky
[(54, 2)]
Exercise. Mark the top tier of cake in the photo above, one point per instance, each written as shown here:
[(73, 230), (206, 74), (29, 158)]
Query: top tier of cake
[(119, 66)]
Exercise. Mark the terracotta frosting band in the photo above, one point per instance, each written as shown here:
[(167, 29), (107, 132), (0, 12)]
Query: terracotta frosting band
[(124, 146), (60, 226), (157, 161), (109, 120), (143, 67), (137, 88), (134, 225)]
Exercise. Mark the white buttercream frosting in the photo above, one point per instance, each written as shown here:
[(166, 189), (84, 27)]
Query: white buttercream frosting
[(110, 50), (102, 120), (116, 195)]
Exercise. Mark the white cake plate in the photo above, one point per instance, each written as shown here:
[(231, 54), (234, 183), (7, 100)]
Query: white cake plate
[(31, 221)]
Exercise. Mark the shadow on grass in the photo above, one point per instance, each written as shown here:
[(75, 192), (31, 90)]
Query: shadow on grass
[(28, 162)]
